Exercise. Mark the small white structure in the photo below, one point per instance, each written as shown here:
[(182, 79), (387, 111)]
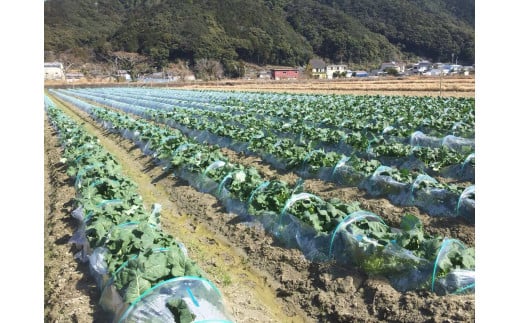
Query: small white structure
[(434, 72), (456, 69), (338, 70), (124, 75), (53, 71), (74, 77), (263, 74), (422, 67), (399, 67), (445, 68)]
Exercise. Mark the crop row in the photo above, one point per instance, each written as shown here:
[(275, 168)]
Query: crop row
[(142, 272), (321, 229), (432, 116), (401, 186), (366, 141)]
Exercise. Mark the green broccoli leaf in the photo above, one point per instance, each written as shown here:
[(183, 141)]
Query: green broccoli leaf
[(180, 311)]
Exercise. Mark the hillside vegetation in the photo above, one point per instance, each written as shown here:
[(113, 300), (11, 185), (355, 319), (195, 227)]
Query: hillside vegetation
[(274, 32)]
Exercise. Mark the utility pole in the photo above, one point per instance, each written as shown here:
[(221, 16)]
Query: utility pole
[(440, 84)]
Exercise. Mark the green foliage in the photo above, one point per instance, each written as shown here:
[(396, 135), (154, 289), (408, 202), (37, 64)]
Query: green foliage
[(150, 267), (337, 35), (391, 71), (270, 198), (180, 311), (285, 32), (389, 250), (456, 258), (432, 29)]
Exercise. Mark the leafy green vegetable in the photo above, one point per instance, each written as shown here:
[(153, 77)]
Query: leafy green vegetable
[(180, 311), (135, 288), (270, 198), (150, 267), (388, 251), (456, 258)]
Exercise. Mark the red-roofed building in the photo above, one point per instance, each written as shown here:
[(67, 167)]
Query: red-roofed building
[(285, 73)]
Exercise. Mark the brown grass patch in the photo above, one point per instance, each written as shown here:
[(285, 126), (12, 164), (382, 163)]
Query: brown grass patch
[(453, 86)]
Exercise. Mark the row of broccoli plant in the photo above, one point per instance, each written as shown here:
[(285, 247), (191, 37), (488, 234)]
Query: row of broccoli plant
[(321, 229), (331, 122), (142, 272), (406, 186), (435, 156), (431, 155), (431, 115)]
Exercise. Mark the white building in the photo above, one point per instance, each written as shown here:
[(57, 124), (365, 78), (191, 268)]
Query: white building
[(53, 71), (399, 67), (263, 74), (455, 68), (319, 68), (338, 70), (124, 75), (422, 67)]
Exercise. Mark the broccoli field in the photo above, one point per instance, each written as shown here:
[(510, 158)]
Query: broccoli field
[(286, 207)]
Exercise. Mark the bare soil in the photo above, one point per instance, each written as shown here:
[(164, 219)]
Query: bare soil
[(261, 281)]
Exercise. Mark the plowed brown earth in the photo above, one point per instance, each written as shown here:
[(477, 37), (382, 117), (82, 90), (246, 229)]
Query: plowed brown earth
[(261, 281)]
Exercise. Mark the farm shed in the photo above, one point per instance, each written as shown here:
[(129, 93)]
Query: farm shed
[(319, 69), (285, 73)]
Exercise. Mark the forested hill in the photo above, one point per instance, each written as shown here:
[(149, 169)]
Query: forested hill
[(278, 32)]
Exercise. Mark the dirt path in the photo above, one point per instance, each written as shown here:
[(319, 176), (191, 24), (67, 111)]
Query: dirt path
[(261, 281)]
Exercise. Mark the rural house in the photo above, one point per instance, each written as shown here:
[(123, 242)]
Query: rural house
[(335, 71), (284, 73), (319, 69), (422, 66), (400, 68)]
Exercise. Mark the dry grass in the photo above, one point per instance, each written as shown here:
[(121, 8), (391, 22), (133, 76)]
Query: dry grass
[(456, 86), (412, 86)]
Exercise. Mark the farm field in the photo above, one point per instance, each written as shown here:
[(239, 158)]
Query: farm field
[(262, 277), (453, 86)]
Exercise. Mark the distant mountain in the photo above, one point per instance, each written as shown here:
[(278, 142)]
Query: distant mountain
[(278, 32)]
